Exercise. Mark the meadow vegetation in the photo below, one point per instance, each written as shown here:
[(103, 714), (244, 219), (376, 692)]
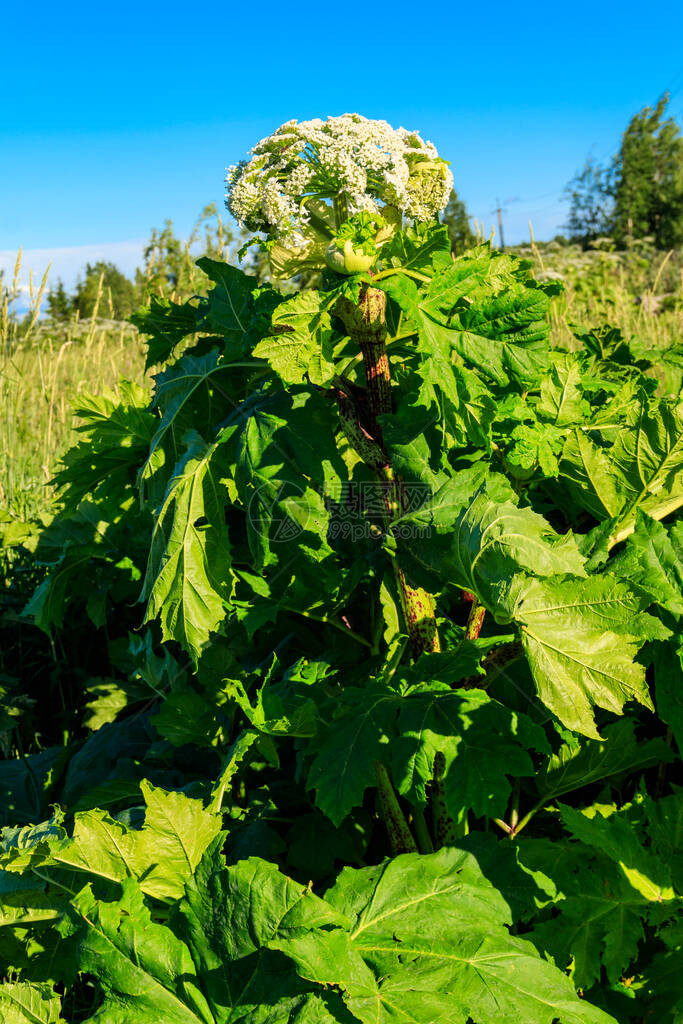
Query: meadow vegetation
[(341, 615), (48, 361)]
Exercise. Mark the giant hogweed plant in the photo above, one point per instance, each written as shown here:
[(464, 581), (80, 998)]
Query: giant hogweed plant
[(397, 742)]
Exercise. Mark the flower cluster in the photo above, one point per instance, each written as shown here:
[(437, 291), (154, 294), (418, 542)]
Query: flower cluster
[(358, 164)]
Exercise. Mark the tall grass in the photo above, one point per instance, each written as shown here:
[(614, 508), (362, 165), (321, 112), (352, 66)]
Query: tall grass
[(43, 368), (639, 291)]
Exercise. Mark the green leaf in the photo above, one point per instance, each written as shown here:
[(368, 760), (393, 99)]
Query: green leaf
[(25, 1002), (192, 396), (649, 458), (661, 981), (590, 471), (611, 879), (431, 929), (107, 754), (664, 828), (237, 307), (282, 448), (652, 559), (345, 749), (413, 439), (668, 667), (163, 854), (600, 922), (144, 970), (242, 898), (118, 429), (486, 310), (481, 544), (524, 889), (189, 717), (581, 637), (643, 469), (483, 744), (561, 402), (422, 247), (25, 785), (167, 323), (107, 699), (534, 447), (169, 847), (467, 406), (390, 603), (577, 765), (228, 917), (278, 711), (88, 552), (188, 579), (301, 345), (614, 835), (236, 754)]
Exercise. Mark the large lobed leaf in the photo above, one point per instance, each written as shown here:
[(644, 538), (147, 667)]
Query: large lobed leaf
[(417, 938), (162, 855), (118, 430), (580, 633), (188, 580), (481, 741), (427, 941), (24, 1002), (641, 470), (577, 764), (485, 310), (300, 345), (480, 541), (581, 638), (622, 869)]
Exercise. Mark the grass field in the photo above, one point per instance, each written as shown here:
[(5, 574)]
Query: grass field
[(105, 706), (44, 367)]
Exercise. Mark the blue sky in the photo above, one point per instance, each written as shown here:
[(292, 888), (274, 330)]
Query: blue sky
[(117, 117)]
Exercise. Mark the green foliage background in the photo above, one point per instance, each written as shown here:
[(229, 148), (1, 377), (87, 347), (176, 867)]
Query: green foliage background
[(206, 680), (640, 194)]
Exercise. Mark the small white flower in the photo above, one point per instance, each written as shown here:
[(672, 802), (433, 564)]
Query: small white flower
[(365, 163)]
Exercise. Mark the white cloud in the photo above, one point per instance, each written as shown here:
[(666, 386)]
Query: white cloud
[(67, 262)]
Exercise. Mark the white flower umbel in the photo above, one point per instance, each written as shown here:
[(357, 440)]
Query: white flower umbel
[(357, 164)]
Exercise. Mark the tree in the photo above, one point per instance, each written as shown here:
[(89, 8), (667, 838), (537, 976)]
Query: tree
[(104, 287), (60, 305), (591, 203), (648, 173), (169, 263), (456, 219)]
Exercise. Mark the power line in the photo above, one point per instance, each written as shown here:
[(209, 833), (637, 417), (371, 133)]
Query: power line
[(676, 84), (539, 199)]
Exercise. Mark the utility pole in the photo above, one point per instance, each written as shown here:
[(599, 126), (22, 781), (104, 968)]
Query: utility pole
[(500, 212)]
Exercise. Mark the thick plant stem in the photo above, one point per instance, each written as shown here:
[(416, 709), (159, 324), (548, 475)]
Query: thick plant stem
[(418, 611), (400, 836), (366, 323), (446, 830), (424, 840), (377, 375), (367, 326), (475, 620)]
